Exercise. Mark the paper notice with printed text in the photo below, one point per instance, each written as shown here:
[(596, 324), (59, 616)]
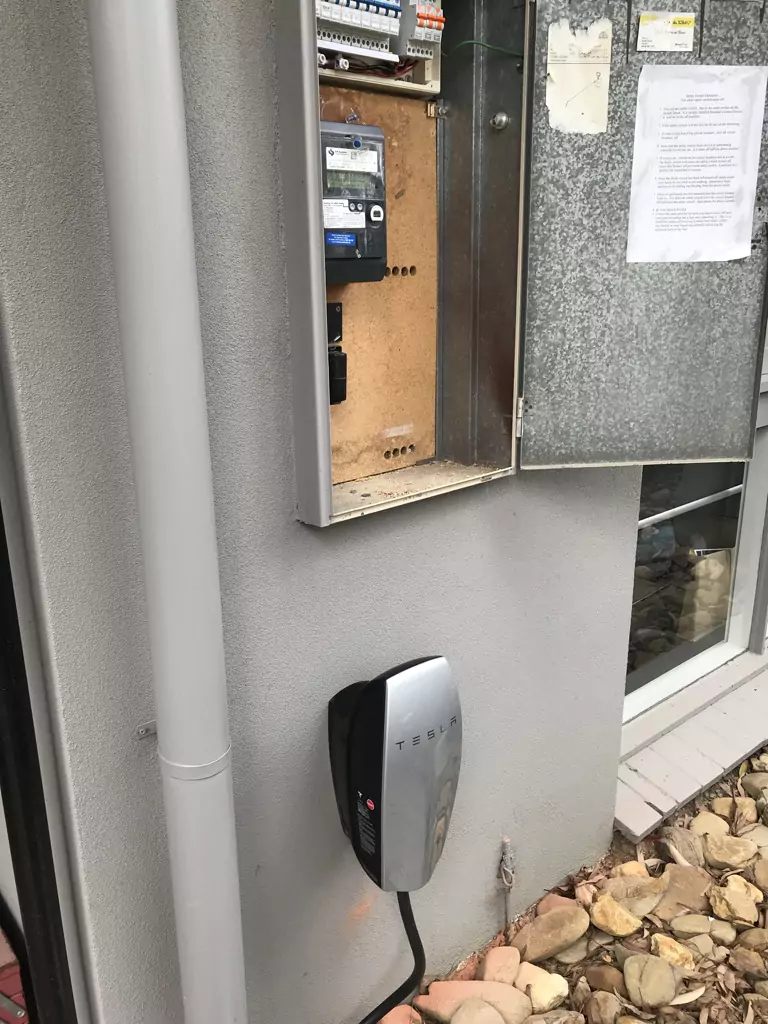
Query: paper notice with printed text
[(694, 171), (578, 76)]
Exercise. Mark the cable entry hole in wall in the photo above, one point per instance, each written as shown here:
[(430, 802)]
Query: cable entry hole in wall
[(395, 453), (400, 272)]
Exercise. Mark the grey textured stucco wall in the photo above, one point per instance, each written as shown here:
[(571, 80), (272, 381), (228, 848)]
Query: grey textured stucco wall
[(524, 585)]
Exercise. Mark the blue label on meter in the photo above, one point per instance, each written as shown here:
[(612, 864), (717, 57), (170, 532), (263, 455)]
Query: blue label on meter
[(340, 238)]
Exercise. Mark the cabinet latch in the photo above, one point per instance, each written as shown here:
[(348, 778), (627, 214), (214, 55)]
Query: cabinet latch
[(520, 411)]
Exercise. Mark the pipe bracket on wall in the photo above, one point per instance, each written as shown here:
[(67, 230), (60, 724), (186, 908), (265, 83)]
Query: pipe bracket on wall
[(196, 772)]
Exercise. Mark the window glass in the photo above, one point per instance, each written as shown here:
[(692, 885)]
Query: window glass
[(684, 565), (667, 487)]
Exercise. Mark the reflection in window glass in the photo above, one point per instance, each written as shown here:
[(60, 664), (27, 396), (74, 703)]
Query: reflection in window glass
[(684, 566)]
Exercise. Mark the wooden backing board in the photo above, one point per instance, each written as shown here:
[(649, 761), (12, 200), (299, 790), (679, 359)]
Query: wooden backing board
[(390, 327)]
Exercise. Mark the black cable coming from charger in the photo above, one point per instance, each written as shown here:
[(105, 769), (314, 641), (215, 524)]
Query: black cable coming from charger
[(419, 961)]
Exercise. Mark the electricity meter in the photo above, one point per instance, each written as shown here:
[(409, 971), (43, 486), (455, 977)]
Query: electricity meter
[(354, 202)]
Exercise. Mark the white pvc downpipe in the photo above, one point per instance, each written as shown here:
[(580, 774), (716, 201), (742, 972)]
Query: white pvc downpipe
[(135, 53)]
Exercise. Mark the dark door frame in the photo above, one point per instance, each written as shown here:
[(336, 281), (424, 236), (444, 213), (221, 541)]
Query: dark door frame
[(41, 948)]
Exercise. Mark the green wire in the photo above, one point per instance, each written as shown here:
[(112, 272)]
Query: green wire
[(485, 46)]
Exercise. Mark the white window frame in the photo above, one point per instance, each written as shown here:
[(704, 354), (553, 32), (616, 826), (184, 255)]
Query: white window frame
[(747, 604)]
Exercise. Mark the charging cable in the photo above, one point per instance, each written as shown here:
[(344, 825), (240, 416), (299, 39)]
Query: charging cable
[(419, 964)]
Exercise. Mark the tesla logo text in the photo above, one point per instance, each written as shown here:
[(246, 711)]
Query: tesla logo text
[(431, 734)]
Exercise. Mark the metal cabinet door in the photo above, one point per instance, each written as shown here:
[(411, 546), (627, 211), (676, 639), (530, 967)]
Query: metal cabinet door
[(633, 363)]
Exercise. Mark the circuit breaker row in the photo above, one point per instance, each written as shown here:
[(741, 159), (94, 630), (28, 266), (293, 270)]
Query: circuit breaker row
[(367, 28), (423, 24), (373, 17)]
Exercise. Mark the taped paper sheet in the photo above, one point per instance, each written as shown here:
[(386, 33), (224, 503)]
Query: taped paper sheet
[(364, 160), (665, 32), (694, 171), (339, 213), (578, 76)]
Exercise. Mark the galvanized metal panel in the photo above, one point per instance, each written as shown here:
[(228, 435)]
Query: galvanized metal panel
[(479, 183), (303, 223), (633, 363)]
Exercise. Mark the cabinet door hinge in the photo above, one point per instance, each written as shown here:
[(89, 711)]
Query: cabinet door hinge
[(437, 109), (520, 411)]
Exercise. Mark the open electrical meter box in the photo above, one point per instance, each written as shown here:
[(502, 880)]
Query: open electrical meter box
[(461, 306)]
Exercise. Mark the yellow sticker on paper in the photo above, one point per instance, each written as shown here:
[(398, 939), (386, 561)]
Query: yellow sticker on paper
[(665, 32)]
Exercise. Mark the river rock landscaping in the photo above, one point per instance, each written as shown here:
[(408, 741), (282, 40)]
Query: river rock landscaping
[(673, 930)]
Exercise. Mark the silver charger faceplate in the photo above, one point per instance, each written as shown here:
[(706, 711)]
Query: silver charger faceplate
[(422, 758)]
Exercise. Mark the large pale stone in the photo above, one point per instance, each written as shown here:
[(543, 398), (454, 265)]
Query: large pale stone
[(576, 953), (552, 901), (742, 810), (650, 981), (701, 946), (687, 889), (580, 994), (755, 783), (723, 933), (708, 824), (446, 997), (640, 896), (747, 961), (557, 1017), (724, 806), (761, 873), (740, 884), (604, 978), (598, 939), (405, 1015), (546, 991), (630, 947), (758, 834), (728, 851), (686, 843), (745, 812), (732, 902), (602, 1008), (690, 924), (671, 951), (549, 934), (611, 917), (630, 869), (477, 1011), (754, 938), (500, 964)]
